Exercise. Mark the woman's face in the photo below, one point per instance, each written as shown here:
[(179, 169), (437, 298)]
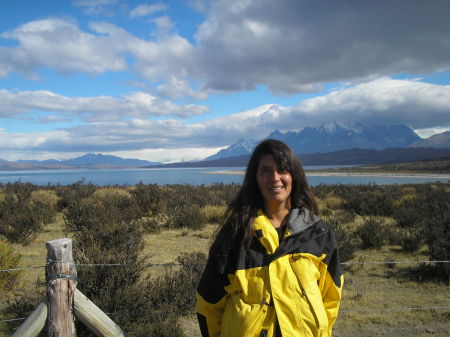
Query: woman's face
[(274, 184)]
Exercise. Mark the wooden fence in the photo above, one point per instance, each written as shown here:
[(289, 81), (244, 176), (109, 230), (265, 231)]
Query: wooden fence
[(64, 302)]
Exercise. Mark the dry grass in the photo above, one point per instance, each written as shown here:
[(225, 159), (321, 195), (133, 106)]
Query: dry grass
[(166, 246), (35, 253), (373, 295), (371, 292)]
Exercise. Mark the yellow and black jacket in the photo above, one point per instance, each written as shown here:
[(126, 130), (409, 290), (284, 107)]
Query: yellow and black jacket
[(296, 281)]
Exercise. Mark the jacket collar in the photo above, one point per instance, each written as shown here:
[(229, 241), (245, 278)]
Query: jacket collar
[(298, 221)]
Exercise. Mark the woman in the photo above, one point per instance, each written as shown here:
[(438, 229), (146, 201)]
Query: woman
[(273, 267)]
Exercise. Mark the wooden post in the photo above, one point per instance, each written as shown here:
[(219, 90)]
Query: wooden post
[(33, 325), (95, 319), (61, 283)]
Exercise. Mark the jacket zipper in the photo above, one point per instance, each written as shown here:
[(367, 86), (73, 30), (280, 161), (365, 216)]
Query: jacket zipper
[(309, 302)]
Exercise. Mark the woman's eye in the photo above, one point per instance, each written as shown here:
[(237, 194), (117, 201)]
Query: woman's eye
[(265, 171)]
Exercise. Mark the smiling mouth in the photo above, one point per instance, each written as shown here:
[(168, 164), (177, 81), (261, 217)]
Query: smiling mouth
[(278, 188)]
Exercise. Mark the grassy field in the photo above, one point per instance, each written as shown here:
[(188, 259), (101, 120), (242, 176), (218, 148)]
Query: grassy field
[(378, 299)]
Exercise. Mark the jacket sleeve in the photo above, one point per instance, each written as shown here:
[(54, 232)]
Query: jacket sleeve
[(211, 296), (331, 280)]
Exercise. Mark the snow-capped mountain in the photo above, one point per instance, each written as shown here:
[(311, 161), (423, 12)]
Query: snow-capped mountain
[(332, 137), (242, 146), (335, 136)]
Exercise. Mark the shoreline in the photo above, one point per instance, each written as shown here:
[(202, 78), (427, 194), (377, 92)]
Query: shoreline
[(355, 174)]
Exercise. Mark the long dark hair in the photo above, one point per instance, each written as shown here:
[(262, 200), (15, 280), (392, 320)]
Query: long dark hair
[(237, 225)]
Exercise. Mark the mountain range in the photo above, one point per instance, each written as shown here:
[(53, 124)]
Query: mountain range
[(335, 136), (330, 144), (342, 157), (89, 160)]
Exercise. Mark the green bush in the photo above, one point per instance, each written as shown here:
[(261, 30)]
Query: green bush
[(346, 240), (411, 239), (71, 193), (22, 306), (372, 233), (437, 238), (45, 203), (105, 231), (24, 209), (151, 225), (187, 216), (9, 259), (20, 220), (177, 288), (149, 198), (107, 227), (213, 213)]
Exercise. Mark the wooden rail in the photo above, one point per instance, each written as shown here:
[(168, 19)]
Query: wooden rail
[(64, 302)]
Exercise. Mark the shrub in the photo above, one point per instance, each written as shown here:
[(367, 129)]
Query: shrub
[(23, 306), (151, 225), (44, 202), (437, 237), (71, 193), (177, 288), (9, 259), (187, 216), (372, 233), (105, 231), (149, 198), (411, 239), (21, 190), (344, 216), (213, 213), (20, 220), (346, 242), (108, 228), (112, 195), (333, 202)]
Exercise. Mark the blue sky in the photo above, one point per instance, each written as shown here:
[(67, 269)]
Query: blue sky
[(179, 80)]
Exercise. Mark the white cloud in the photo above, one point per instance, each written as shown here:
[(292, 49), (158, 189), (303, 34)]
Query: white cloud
[(175, 89), (384, 101), (95, 7), (92, 3), (146, 10), (22, 105), (163, 25), (289, 46), (169, 155), (60, 45), (428, 132)]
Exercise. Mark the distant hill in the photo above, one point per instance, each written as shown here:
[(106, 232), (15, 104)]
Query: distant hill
[(332, 137), (438, 166), (440, 140), (86, 161), (91, 159), (342, 157)]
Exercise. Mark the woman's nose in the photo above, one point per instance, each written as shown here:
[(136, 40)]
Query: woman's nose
[(275, 175)]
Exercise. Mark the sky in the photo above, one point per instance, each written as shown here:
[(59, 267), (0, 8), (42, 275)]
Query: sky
[(179, 80)]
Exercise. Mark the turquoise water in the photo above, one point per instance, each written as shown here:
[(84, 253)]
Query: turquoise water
[(192, 176)]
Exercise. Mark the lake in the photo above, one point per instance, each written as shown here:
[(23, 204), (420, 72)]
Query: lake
[(192, 176)]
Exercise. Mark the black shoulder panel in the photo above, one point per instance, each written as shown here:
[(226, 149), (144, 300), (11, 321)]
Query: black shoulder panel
[(332, 259), (203, 325)]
